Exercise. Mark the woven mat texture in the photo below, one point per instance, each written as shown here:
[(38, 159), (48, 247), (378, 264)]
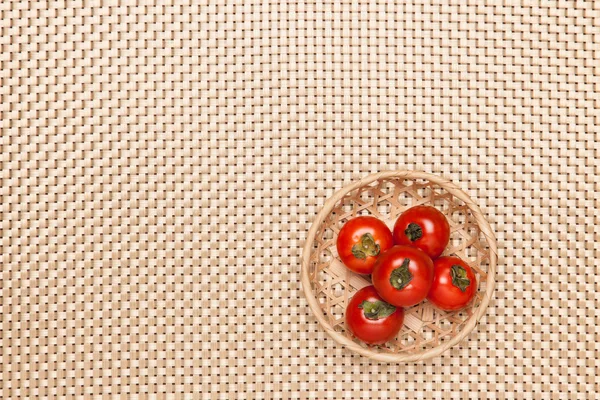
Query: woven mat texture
[(161, 165)]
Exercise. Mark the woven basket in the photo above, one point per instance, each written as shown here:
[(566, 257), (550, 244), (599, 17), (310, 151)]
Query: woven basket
[(328, 285)]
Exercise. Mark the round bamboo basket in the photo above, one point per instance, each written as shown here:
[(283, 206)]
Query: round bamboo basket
[(328, 285)]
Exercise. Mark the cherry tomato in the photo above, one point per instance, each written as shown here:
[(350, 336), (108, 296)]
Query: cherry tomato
[(360, 242), (424, 227), (454, 284), (403, 275), (371, 319)]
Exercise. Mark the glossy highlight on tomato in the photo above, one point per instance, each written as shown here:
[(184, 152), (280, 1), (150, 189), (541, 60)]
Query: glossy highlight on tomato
[(360, 242), (454, 284), (371, 319), (403, 275), (424, 227)]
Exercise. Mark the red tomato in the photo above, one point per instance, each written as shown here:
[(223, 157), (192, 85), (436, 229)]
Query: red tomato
[(454, 284), (424, 227), (360, 242), (403, 275), (371, 319)]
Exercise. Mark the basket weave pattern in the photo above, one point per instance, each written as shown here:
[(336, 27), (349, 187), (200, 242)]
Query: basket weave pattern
[(426, 329), (155, 152)]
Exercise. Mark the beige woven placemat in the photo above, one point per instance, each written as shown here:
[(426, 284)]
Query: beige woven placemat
[(161, 165)]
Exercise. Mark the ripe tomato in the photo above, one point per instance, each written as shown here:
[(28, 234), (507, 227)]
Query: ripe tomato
[(360, 242), (454, 284), (403, 275), (424, 227), (371, 319)]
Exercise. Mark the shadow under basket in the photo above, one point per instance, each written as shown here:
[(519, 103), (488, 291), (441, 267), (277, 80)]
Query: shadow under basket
[(329, 285)]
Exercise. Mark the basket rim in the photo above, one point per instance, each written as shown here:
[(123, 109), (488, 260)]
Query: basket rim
[(468, 326)]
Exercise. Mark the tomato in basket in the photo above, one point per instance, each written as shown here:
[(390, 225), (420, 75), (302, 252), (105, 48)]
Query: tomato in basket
[(360, 242), (403, 275), (424, 227), (454, 284), (371, 319)]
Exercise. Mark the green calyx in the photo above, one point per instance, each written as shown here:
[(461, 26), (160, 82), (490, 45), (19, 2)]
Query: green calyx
[(366, 247), (459, 277), (377, 309), (413, 231), (401, 276)]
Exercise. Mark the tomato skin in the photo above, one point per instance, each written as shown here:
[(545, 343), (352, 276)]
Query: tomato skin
[(351, 237), (443, 293), (372, 331), (434, 230), (420, 267)]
